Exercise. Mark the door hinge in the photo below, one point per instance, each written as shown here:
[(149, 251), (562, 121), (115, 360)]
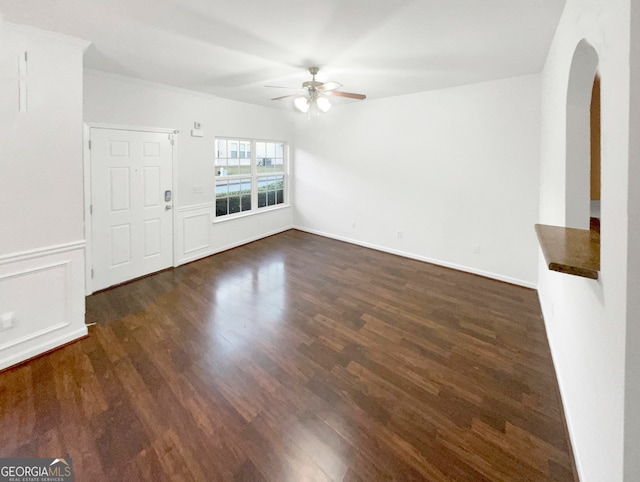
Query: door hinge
[(171, 138), (90, 208), (91, 273), (89, 144)]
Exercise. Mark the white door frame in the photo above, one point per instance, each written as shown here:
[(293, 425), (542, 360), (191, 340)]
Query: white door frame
[(87, 126)]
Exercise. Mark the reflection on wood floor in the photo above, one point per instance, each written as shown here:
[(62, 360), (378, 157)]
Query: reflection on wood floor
[(298, 358)]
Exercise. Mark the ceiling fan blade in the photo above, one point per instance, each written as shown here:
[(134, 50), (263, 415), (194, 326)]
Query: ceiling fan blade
[(285, 96), (346, 94), (281, 87), (331, 85)]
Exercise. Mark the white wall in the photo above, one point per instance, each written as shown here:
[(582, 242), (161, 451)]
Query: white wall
[(632, 375), (586, 319), (456, 170), (118, 100), (41, 220)]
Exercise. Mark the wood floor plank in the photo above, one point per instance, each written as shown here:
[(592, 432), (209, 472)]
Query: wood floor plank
[(298, 357)]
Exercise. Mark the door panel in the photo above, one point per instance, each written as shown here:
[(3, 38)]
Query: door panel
[(119, 189), (152, 237), (120, 245), (152, 186), (132, 225)]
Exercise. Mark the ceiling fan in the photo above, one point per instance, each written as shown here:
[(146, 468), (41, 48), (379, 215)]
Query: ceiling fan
[(314, 94)]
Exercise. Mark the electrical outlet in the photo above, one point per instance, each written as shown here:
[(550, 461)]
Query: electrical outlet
[(399, 234)]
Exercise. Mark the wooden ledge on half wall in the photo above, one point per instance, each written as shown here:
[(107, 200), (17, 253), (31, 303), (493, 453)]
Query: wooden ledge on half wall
[(569, 250)]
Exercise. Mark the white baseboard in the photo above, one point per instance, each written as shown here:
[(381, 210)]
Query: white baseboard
[(50, 344), (446, 264)]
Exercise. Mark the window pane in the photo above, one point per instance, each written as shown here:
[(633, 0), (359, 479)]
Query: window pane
[(221, 207), (271, 149), (245, 167), (278, 182), (234, 204), (234, 187), (279, 196), (246, 202), (245, 150), (279, 150), (262, 199), (271, 198), (222, 188), (260, 149), (264, 165), (221, 148), (234, 167), (278, 165), (221, 168)]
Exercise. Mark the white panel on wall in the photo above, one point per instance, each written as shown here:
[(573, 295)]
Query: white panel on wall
[(196, 232), (152, 237), (120, 244), (51, 282), (119, 188), (43, 290)]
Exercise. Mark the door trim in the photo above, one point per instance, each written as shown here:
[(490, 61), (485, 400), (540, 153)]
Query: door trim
[(86, 130)]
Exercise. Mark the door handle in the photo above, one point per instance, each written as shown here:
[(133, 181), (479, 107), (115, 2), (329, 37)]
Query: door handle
[(167, 207)]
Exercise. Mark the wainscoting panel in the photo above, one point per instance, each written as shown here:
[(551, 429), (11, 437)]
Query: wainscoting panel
[(197, 235), (41, 301), (193, 233), (196, 232)]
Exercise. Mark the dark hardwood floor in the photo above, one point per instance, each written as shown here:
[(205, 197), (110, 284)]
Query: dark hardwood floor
[(298, 358)]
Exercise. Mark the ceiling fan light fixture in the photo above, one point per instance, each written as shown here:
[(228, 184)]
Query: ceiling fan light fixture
[(315, 99), (302, 104), (323, 104)]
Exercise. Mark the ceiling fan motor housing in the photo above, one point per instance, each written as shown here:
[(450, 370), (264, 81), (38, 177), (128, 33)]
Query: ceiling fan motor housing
[(311, 84)]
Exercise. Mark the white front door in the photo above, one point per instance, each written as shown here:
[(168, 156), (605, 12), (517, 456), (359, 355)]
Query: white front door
[(131, 201)]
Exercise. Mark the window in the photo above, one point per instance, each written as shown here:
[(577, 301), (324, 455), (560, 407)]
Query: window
[(250, 175)]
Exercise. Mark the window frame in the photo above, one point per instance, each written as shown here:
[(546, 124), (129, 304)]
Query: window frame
[(254, 176)]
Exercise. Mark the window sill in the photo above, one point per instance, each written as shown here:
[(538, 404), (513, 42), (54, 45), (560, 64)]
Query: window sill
[(571, 251), (231, 217)]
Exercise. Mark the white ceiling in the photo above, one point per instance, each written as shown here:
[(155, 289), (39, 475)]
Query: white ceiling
[(234, 48)]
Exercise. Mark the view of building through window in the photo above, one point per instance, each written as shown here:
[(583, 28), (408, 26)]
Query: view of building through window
[(250, 175)]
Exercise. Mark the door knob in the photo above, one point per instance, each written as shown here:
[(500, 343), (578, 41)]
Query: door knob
[(167, 207)]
